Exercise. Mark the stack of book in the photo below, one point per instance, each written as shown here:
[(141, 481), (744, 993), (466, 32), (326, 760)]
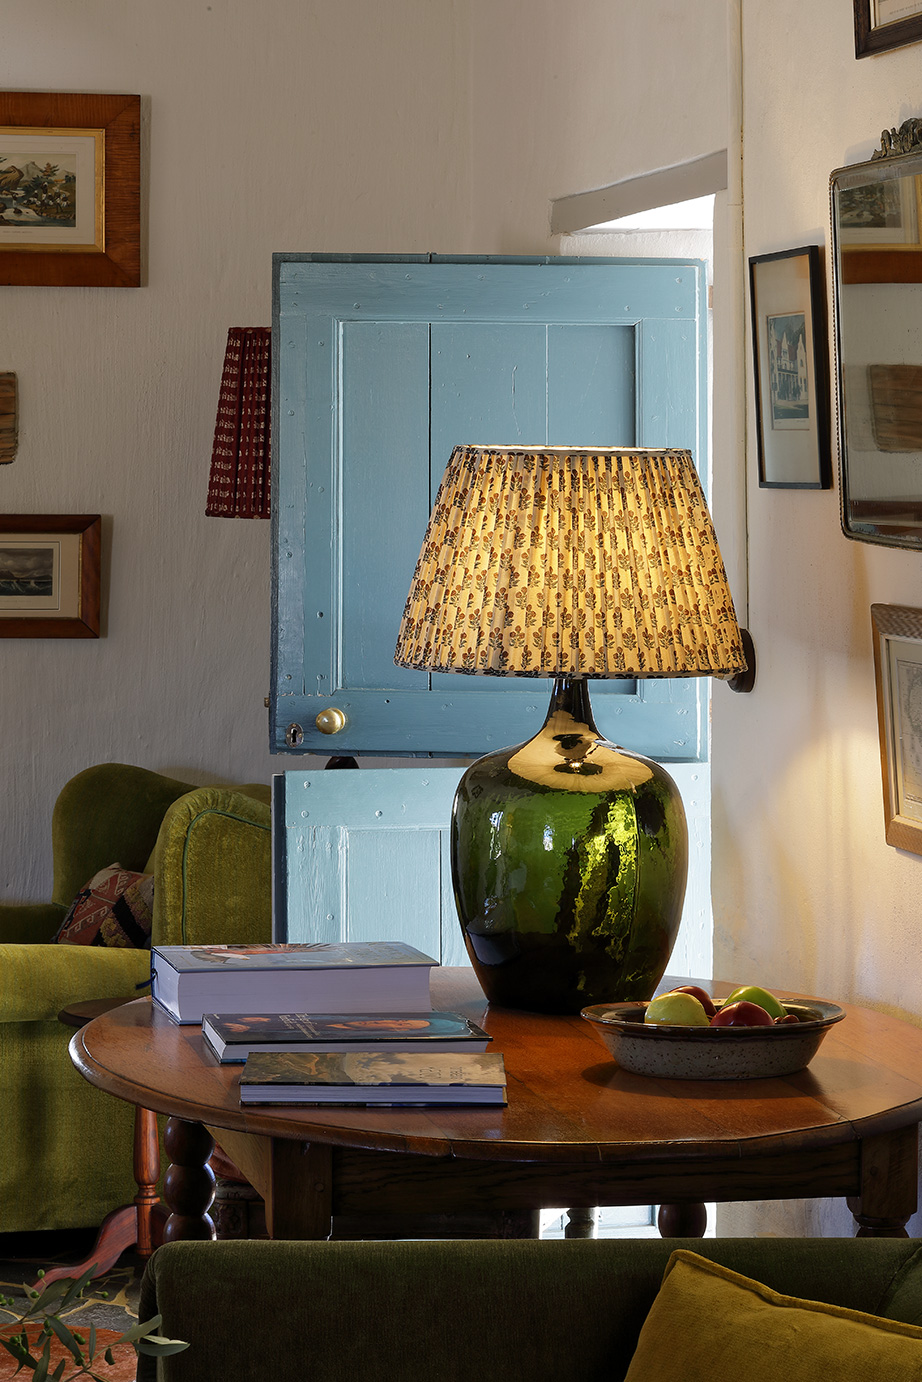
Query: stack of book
[(347, 1023), (188, 981), (370, 1077)]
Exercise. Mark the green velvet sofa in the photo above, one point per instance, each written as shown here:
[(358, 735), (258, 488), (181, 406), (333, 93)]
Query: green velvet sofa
[(65, 1147), (515, 1311)]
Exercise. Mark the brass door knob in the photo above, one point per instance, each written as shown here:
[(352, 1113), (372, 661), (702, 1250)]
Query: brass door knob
[(330, 721)]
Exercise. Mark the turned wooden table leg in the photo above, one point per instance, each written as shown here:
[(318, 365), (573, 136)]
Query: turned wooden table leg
[(889, 1184), (147, 1174), (188, 1186), (580, 1223), (682, 1220)]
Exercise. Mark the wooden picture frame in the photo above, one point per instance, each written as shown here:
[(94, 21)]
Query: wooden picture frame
[(49, 575), (80, 226), (897, 631), (881, 25), (791, 369)]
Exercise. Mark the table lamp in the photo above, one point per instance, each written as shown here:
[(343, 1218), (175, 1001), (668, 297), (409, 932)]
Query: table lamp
[(569, 855)]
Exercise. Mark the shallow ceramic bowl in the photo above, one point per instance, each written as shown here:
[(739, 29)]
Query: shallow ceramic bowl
[(712, 1053)]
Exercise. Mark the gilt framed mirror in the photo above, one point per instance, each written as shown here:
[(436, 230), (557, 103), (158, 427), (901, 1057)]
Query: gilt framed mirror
[(877, 309)]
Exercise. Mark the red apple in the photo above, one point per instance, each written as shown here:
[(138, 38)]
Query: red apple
[(703, 997), (788, 1018), (742, 1015)]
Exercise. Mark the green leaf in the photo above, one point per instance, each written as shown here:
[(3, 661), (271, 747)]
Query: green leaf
[(91, 1351), (109, 1357), (42, 1299), (139, 1330), (59, 1371), (155, 1346), (41, 1367), (76, 1286), (18, 1349), (67, 1338)]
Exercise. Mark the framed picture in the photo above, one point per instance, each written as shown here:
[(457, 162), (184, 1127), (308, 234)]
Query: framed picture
[(898, 673), (791, 369), (70, 189), (49, 575), (884, 24)]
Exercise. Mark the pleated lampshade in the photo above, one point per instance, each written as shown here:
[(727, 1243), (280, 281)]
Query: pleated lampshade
[(570, 562)]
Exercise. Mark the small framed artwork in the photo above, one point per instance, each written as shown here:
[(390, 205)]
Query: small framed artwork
[(70, 189), (898, 674), (884, 24), (49, 575), (791, 369)]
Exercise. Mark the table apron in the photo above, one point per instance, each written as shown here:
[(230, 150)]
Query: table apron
[(379, 1182)]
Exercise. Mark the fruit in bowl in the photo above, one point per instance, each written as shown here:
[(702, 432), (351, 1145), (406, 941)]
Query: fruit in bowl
[(741, 1014), (692, 1006), (677, 1008)]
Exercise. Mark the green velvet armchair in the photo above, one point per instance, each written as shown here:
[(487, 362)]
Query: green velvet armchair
[(65, 1147)]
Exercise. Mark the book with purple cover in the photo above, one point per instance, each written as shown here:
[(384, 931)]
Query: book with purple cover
[(368, 1077), (232, 1036), (188, 981)]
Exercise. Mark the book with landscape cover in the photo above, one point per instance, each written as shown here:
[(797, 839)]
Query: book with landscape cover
[(232, 1036), (368, 1077), (188, 981)]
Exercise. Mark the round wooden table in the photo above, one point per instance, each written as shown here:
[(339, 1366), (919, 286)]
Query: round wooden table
[(577, 1131)]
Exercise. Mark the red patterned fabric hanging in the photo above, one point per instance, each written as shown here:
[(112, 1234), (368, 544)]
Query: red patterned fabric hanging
[(238, 485)]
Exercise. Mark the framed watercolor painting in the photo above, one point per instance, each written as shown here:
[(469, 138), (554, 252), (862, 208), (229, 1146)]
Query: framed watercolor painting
[(49, 575), (884, 24), (897, 633), (791, 369), (70, 189)]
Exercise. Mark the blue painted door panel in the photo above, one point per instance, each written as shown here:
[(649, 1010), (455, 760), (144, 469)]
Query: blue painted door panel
[(365, 856), (383, 367)]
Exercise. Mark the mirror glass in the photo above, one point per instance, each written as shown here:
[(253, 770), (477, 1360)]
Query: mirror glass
[(877, 298)]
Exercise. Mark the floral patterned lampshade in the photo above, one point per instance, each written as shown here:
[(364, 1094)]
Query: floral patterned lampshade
[(571, 562)]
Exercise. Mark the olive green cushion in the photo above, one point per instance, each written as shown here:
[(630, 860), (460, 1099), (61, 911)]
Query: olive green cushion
[(708, 1321)]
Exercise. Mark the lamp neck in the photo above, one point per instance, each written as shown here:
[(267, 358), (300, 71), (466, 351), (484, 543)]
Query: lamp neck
[(570, 696)]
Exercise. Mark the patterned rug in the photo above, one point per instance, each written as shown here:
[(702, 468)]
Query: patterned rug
[(110, 1303)]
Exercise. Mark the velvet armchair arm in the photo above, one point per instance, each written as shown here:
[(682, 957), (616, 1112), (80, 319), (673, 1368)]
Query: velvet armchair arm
[(30, 923), (37, 981)]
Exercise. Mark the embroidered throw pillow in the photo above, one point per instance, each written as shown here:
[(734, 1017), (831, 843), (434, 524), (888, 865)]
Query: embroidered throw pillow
[(115, 908)]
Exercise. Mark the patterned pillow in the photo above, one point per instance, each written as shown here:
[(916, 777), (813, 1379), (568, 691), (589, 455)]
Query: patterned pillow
[(115, 908)]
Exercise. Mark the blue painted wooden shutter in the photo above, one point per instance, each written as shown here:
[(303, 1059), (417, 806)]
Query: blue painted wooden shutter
[(383, 366), (364, 856)]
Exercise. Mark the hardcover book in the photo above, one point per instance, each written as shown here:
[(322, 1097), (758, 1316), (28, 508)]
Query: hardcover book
[(366, 1077), (188, 981), (232, 1036)]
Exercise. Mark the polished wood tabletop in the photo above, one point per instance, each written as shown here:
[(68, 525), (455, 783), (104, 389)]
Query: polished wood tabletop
[(577, 1129)]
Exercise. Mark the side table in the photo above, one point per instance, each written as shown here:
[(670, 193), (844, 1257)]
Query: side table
[(139, 1224)]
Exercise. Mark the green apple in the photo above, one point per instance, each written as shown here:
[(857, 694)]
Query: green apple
[(675, 1009), (750, 993)]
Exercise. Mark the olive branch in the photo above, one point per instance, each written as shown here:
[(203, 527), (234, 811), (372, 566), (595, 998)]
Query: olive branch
[(81, 1346)]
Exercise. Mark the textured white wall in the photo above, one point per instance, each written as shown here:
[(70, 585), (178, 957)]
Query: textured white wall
[(806, 892), (326, 125)]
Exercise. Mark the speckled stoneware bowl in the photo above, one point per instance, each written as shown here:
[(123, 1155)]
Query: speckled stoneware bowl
[(712, 1053)]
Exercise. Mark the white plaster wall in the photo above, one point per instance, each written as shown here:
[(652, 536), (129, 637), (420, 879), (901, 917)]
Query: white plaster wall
[(325, 125), (806, 892)]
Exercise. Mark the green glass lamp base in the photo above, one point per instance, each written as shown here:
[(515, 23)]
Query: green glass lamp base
[(569, 859)]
